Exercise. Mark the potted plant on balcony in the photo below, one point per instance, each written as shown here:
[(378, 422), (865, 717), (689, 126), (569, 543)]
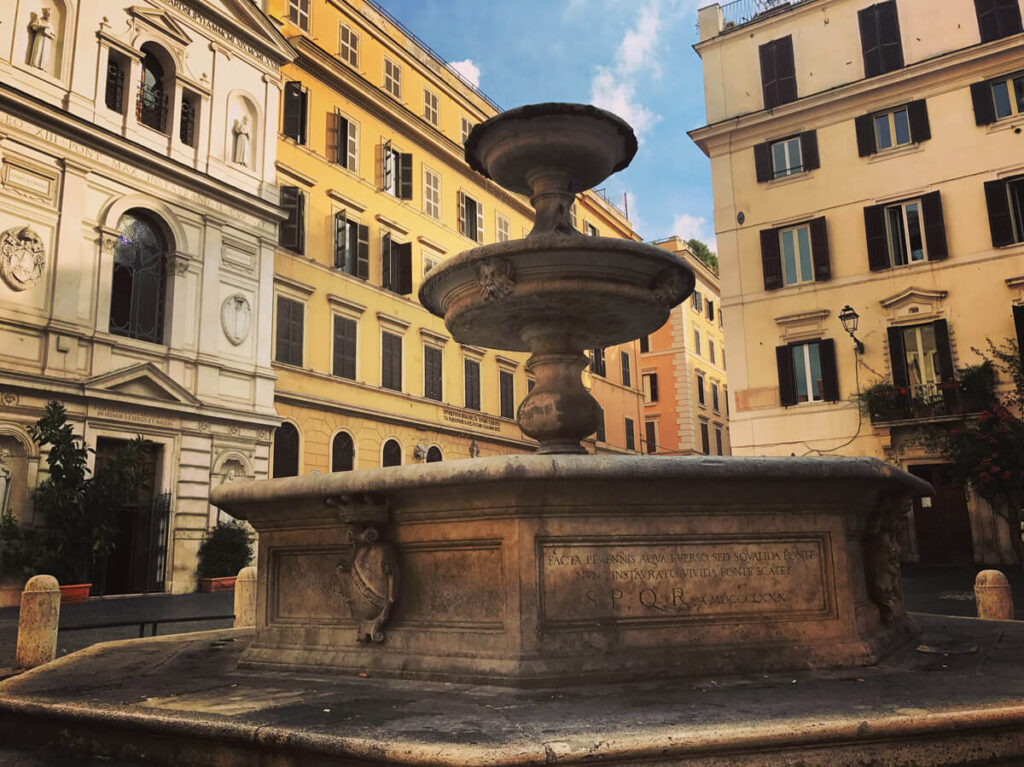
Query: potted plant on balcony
[(80, 511), (226, 550)]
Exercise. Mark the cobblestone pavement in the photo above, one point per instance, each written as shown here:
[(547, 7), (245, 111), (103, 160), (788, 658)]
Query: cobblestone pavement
[(949, 589)]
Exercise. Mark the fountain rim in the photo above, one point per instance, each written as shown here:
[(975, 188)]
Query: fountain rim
[(234, 496), (550, 109)]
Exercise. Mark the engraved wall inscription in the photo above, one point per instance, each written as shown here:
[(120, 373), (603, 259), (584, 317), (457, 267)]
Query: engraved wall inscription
[(669, 579)]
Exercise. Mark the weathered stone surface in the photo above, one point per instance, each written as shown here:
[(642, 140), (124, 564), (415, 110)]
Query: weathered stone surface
[(534, 569), (245, 598), (993, 596), (37, 621)]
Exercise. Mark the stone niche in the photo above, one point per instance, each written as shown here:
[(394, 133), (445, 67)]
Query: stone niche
[(532, 570)]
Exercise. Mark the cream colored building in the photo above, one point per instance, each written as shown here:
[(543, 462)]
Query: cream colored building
[(373, 177), (867, 154), (138, 217), (686, 396)]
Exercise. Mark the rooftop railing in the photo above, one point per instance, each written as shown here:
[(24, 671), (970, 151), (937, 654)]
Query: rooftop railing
[(744, 11)]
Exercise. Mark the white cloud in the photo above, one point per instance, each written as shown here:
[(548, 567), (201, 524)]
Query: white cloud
[(638, 46), (469, 71), (695, 228), (618, 95)]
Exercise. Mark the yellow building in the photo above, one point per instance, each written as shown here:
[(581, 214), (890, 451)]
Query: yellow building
[(372, 175), (867, 155), (686, 398)]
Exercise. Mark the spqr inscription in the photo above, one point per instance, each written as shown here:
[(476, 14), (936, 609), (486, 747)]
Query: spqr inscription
[(586, 581)]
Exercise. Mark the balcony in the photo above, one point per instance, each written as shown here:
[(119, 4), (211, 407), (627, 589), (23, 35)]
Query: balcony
[(888, 404), (744, 11)]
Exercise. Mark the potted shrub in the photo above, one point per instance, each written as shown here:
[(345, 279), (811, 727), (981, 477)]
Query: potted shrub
[(226, 550), (80, 511)]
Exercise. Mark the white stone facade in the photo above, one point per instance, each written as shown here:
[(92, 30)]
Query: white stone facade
[(164, 112)]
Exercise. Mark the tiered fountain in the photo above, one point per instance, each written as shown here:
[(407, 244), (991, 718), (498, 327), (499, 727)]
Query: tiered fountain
[(562, 567)]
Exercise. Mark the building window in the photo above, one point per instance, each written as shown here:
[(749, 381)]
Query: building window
[(472, 381), (650, 437), (718, 439), (1005, 200), (590, 230), (998, 99), (650, 384), (343, 452), (342, 141), (786, 157), (501, 229), (434, 454), (430, 107), (286, 451), (597, 366), (298, 13), (392, 78), (627, 379), (630, 435), (778, 73), (295, 107), (291, 233), (471, 218), (710, 310), (901, 126), (432, 367), (467, 126), (348, 46), (113, 95), (344, 348), (396, 265), (530, 383), (137, 290), (187, 126), (711, 351), (645, 344), (697, 302), (290, 320), (391, 454), (714, 397), (906, 232), (700, 390), (151, 107), (705, 443), (431, 193), (396, 171), (574, 215), (428, 264), (599, 435), (696, 342), (795, 255), (807, 372), (997, 18), (351, 246), (391, 361), (506, 394), (880, 39), (921, 358)]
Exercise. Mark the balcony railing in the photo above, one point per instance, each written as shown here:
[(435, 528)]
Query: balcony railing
[(887, 403), (744, 11)]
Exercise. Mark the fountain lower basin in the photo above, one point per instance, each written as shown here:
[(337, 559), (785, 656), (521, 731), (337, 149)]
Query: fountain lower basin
[(536, 570)]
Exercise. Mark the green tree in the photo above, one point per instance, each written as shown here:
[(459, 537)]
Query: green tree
[(705, 254)]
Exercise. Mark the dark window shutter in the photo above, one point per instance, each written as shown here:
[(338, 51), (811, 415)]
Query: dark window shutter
[(829, 370), (988, 21), (363, 254), (340, 241), (785, 70), (898, 358), (1008, 13), (819, 249), (1000, 221), (869, 42), (769, 79), (787, 381), (300, 223), (650, 438), (809, 150), (917, 114), (344, 347), (506, 385), (405, 176), (288, 230), (403, 265), (763, 162), (286, 451), (631, 435), (889, 36), (626, 377), (865, 125), (386, 260), (342, 158), (303, 115), (945, 357), (292, 106), (771, 259), (984, 106), (1018, 324), (334, 151), (432, 373), (877, 244), (654, 387), (391, 361), (342, 452), (934, 226), (472, 377)]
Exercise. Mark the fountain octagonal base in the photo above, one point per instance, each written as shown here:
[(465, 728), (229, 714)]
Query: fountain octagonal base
[(528, 570)]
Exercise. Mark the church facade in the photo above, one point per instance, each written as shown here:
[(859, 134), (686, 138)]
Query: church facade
[(138, 221)]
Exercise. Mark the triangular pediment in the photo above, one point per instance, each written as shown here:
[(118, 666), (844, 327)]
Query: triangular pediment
[(162, 22), (914, 302), (240, 17), (144, 381)]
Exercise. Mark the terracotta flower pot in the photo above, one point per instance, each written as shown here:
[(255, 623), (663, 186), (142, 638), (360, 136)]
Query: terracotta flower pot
[(75, 592), (226, 583)]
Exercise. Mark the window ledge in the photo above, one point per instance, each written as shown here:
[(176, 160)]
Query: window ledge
[(900, 151), (1013, 122), (794, 178)]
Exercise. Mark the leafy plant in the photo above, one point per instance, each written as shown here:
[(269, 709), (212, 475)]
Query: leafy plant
[(226, 550), (707, 256), (81, 511), (884, 402), (23, 551)]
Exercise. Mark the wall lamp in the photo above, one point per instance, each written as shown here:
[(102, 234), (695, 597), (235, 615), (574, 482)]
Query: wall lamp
[(849, 318)]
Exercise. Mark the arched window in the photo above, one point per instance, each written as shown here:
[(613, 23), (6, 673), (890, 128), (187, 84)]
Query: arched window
[(137, 290), (392, 453), (342, 452), (434, 455), (286, 451), (151, 108)]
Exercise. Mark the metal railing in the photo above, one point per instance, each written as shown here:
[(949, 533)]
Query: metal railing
[(147, 622), (933, 400), (603, 194), (744, 11)]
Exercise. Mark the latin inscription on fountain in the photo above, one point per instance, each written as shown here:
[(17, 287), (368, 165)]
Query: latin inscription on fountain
[(671, 579)]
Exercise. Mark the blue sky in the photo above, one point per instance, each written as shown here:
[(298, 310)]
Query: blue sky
[(634, 57)]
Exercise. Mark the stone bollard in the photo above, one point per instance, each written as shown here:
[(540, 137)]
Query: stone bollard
[(37, 621), (993, 596), (245, 598)]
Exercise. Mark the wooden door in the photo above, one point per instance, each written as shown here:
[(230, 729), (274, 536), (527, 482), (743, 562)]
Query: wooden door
[(942, 522)]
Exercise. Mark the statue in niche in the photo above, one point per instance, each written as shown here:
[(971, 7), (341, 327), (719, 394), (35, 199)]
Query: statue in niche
[(5, 479), (42, 36), (240, 130)]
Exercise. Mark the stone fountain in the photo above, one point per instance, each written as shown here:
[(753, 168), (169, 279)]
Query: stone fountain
[(559, 566)]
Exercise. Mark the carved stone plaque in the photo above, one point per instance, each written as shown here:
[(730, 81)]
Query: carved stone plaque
[(236, 318), (669, 579), (22, 258)]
